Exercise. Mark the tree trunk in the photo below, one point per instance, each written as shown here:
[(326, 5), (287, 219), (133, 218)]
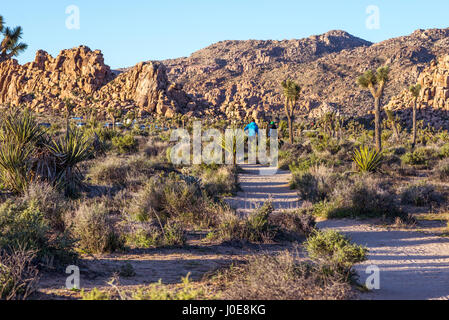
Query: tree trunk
[(377, 122), (414, 124), (290, 128)]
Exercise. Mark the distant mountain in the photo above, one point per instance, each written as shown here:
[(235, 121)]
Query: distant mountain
[(246, 74)]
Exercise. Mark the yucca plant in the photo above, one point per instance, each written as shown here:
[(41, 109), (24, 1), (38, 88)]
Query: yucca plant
[(69, 152), (21, 128), (237, 141), (367, 160), (15, 167), (18, 135)]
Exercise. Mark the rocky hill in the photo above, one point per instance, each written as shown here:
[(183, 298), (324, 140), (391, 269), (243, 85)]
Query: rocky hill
[(242, 77), (433, 102), (236, 79)]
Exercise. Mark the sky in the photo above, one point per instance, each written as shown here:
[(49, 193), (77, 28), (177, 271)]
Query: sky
[(131, 31)]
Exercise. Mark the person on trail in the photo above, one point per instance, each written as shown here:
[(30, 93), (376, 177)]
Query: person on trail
[(272, 126), (252, 129)]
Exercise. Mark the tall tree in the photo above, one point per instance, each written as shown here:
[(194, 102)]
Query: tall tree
[(10, 45), (292, 92), (415, 91), (375, 82)]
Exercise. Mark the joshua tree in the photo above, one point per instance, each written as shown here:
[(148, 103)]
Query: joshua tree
[(69, 106), (113, 114), (291, 92), (375, 82), (391, 120), (415, 91), (10, 45)]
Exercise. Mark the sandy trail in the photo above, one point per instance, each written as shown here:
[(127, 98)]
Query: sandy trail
[(413, 265), (260, 184)]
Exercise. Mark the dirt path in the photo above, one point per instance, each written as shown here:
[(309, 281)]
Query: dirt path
[(258, 184), (413, 265)]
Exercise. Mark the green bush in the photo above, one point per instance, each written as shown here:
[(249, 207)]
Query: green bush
[(421, 156), (146, 235), (125, 144), (444, 151), (334, 252), (23, 224)]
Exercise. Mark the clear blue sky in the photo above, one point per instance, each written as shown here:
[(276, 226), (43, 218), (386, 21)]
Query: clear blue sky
[(137, 30)]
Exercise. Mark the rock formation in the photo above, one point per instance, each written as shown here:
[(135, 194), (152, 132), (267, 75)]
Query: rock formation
[(80, 74), (434, 100)]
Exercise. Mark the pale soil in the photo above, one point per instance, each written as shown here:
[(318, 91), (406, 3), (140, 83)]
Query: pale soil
[(259, 184), (413, 264), (169, 265)]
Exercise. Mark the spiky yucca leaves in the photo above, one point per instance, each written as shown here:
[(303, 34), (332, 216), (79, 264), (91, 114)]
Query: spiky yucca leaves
[(18, 135), (20, 127), (237, 141), (367, 160), (15, 167), (69, 152)]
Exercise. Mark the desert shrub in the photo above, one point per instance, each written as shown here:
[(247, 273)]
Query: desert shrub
[(441, 170), (219, 181), (421, 156), (282, 277), (363, 196), (315, 184), (127, 271), (94, 229), (173, 197), (18, 274), (326, 143), (324, 209), (297, 223), (444, 151), (159, 291), (122, 172), (49, 201), (125, 144), (420, 195), (23, 224), (110, 171), (257, 223), (155, 148), (255, 227), (95, 295), (334, 252), (150, 236)]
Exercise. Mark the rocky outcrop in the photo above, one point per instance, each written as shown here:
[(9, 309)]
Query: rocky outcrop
[(147, 87), (44, 83), (434, 99), (81, 75)]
